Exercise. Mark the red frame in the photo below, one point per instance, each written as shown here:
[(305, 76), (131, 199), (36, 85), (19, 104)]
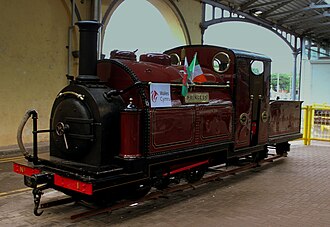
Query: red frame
[(25, 170), (74, 185)]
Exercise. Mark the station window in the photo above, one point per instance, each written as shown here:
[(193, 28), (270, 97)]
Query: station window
[(257, 67), (175, 59), (221, 62)]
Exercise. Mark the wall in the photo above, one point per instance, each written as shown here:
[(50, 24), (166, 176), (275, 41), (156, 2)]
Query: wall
[(192, 13), (187, 14), (33, 55), (320, 82), (32, 61), (315, 82)]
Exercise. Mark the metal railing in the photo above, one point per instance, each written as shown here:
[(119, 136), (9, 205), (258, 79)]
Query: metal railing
[(316, 123)]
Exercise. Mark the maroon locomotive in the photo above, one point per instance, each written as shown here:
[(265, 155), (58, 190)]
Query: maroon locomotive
[(123, 126)]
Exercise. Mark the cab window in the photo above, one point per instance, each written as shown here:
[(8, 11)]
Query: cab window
[(221, 62), (257, 67)]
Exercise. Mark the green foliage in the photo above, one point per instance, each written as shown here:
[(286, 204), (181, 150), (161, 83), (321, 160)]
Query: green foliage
[(285, 81)]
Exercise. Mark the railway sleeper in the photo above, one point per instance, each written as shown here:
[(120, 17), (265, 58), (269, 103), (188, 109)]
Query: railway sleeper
[(198, 176)]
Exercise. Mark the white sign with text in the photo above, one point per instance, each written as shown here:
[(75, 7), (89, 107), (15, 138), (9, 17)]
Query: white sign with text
[(160, 95)]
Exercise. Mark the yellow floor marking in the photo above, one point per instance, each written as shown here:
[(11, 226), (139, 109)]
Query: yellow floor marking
[(3, 160), (11, 158), (14, 191)]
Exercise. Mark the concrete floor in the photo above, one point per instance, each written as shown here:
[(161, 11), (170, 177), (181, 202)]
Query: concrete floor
[(294, 191)]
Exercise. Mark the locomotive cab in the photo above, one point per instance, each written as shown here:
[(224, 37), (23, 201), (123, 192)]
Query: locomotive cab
[(248, 75), (251, 101)]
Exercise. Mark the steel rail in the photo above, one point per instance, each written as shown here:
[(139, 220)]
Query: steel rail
[(163, 193)]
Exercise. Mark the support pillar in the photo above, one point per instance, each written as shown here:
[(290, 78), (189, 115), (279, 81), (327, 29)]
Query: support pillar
[(203, 28), (294, 76)]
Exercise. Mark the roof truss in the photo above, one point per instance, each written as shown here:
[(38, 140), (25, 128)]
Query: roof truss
[(299, 17)]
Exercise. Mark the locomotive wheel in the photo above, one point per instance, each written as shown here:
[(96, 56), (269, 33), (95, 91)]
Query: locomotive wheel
[(195, 174), (235, 161), (106, 198), (162, 183), (137, 191), (260, 155), (282, 149)]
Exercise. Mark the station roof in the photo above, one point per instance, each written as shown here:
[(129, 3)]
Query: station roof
[(303, 18)]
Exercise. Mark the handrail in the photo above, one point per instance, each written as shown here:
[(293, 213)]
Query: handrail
[(20, 143), (316, 123), (31, 158), (227, 85)]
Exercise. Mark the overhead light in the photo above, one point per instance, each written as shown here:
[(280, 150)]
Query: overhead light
[(258, 12)]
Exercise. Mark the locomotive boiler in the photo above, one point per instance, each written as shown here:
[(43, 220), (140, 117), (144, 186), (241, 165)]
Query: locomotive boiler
[(123, 126)]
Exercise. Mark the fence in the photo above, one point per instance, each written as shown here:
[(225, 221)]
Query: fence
[(316, 123)]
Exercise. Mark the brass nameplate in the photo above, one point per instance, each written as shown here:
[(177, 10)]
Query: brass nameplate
[(197, 97)]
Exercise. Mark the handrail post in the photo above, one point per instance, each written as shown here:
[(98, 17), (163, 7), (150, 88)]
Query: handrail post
[(35, 137)]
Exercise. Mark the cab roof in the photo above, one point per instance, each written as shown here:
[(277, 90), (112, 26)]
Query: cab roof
[(236, 52), (247, 54)]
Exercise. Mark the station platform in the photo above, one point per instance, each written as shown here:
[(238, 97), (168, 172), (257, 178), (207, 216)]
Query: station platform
[(293, 191)]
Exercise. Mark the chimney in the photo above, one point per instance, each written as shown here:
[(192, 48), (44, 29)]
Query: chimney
[(88, 50)]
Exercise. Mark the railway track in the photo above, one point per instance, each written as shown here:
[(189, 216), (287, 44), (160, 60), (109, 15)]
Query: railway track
[(214, 174)]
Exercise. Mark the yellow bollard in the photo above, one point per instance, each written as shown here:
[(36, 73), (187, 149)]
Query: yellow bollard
[(310, 119), (305, 133)]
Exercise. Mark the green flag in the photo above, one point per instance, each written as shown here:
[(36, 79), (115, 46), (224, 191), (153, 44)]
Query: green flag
[(184, 90)]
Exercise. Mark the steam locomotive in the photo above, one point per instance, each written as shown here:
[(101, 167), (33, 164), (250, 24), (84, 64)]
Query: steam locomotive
[(123, 126)]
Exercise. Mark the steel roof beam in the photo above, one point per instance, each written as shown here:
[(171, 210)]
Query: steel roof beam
[(279, 30), (251, 18), (310, 7), (326, 14), (319, 37), (325, 30), (265, 4), (321, 6), (323, 35), (264, 14), (277, 17), (247, 4), (288, 17), (293, 21), (312, 27)]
